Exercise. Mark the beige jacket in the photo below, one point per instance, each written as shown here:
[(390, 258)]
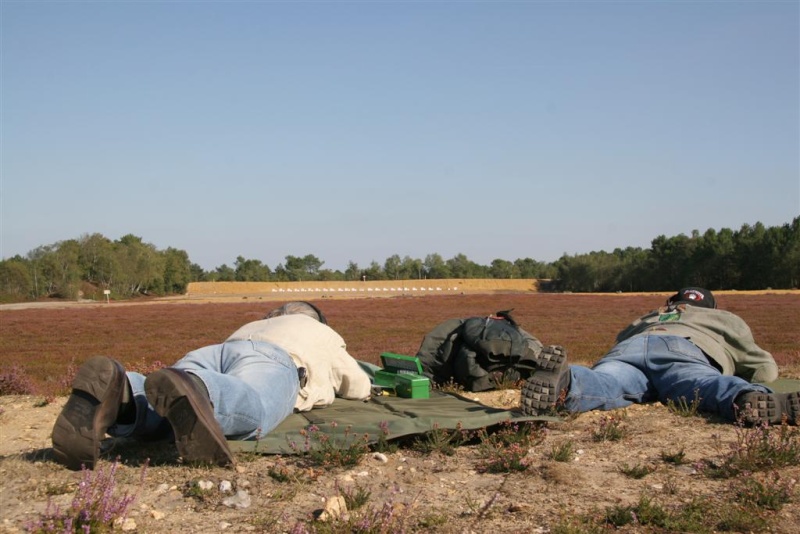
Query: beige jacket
[(317, 347)]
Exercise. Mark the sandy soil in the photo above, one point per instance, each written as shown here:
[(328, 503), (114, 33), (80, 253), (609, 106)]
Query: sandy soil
[(433, 491)]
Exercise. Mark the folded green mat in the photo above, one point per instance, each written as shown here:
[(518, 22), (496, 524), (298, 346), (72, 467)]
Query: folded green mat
[(395, 417), (382, 416), (784, 385)]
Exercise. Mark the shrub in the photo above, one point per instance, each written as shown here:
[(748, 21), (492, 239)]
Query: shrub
[(325, 450), (506, 449), (15, 381), (96, 506), (441, 440), (563, 451), (684, 408), (757, 448), (610, 428), (770, 493), (636, 471)]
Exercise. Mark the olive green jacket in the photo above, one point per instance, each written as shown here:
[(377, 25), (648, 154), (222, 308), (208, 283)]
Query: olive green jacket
[(721, 335)]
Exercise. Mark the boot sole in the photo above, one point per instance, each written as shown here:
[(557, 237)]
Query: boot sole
[(91, 408), (198, 436), (540, 393), (772, 407)]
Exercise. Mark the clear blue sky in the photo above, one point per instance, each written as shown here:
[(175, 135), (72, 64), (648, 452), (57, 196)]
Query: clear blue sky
[(359, 130)]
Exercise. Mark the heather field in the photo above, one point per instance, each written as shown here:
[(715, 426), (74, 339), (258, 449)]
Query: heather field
[(46, 341), (649, 468)]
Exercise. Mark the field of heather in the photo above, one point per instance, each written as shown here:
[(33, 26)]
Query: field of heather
[(46, 340), (660, 470)]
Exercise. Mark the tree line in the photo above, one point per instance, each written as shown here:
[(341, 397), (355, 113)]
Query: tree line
[(753, 257)]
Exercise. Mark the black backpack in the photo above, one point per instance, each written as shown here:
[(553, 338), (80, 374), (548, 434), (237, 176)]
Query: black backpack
[(479, 351)]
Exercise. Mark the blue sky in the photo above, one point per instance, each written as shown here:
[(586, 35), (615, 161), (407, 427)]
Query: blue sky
[(358, 130)]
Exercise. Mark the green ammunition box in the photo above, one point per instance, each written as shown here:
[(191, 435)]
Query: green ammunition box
[(404, 375), (412, 386), (385, 379)]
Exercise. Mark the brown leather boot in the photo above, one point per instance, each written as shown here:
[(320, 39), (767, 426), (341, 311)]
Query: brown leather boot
[(175, 395), (92, 407)]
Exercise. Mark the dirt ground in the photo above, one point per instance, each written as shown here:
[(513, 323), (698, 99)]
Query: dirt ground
[(432, 491), (406, 490)]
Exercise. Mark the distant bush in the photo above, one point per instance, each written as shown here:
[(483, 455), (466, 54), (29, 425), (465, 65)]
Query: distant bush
[(15, 381)]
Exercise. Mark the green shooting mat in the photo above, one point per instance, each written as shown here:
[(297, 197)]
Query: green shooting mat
[(784, 385), (389, 417)]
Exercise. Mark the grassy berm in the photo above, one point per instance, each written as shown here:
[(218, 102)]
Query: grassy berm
[(649, 468)]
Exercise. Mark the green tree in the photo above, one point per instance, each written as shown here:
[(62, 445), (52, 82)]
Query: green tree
[(503, 270), (715, 260), (15, 279), (197, 274), (67, 271), (788, 266), (411, 268), (251, 270), (756, 255), (392, 267), (436, 267), (98, 260), (530, 268), (673, 262), (634, 269), (462, 267), (374, 271), (325, 275), (305, 268), (141, 266), (353, 272), (44, 270), (224, 273), (177, 271)]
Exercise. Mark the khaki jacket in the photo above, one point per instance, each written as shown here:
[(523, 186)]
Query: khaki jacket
[(317, 347), (721, 335)]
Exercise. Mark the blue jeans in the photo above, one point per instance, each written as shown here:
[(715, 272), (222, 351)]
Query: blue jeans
[(252, 385), (647, 368)]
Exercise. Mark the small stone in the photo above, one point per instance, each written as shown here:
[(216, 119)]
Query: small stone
[(380, 457), (334, 508), (225, 486), (239, 501), (157, 515), (205, 485)]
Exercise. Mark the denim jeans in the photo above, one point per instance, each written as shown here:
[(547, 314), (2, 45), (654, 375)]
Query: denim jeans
[(647, 368), (252, 385)]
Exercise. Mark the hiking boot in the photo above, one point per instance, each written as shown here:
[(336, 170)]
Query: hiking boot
[(92, 407), (177, 397), (541, 393), (755, 407)]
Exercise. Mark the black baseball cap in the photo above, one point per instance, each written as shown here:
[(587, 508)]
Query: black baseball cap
[(695, 296)]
